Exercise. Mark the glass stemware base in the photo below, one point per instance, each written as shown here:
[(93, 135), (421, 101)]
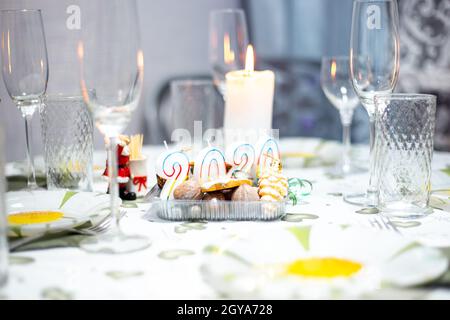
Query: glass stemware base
[(33, 188), (340, 171), (115, 243), (368, 199)]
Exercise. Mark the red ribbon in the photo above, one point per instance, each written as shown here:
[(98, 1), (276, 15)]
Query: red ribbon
[(141, 181)]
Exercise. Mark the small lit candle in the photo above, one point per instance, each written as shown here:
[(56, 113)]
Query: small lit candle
[(241, 156), (209, 165), (268, 152), (249, 97), (174, 167)]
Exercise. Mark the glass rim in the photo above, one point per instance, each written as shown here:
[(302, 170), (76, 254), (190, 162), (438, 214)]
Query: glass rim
[(405, 96), (192, 82), (374, 1), (62, 97), (20, 11)]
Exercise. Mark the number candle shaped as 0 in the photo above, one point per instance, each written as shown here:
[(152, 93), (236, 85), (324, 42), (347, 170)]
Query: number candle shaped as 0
[(268, 151), (174, 167), (241, 156), (209, 165)]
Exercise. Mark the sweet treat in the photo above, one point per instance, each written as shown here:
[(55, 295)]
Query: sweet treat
[(188, 190), (216, 195), (160, 181), (245, 192), (223, 184), (214, 179), (228, 193), (272, 186)]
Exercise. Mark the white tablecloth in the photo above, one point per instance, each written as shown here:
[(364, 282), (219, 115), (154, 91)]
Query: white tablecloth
[(170, 268)]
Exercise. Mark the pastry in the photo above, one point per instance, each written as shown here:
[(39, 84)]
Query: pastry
[(272, 186), (188, 190), (216, 195), (228, 193), (160, 181), (223, 184), (245, 192)]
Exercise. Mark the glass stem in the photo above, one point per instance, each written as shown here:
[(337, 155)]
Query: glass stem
[(28, 136), (372, 191), (346, 155), (113, 185), (346, 120)]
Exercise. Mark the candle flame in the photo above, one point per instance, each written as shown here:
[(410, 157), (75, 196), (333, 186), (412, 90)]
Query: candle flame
[(250, 59), (80, 50), (140, 60), (333, 69), (84, 90), (228, 54), (9, 54)]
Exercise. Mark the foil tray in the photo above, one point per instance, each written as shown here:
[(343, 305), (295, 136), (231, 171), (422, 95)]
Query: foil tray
[(181, 210)]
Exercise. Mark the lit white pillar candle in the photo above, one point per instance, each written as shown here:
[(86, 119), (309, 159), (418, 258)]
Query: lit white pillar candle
[(249, 98)]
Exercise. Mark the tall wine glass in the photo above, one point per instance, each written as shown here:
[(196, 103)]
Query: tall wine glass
[(374, 68), (112, 67), (337, 86), (228, 41), (24, 68)]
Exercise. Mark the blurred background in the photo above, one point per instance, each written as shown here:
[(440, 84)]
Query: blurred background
[(289, 36)]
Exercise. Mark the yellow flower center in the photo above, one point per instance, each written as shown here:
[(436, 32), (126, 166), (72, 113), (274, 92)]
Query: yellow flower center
[(323, 267), (32, 217)]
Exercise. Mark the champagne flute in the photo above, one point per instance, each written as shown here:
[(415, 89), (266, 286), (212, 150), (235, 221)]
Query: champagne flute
[(374, 68), (337, 86), (24, 68), (112, 66), (228, 41)]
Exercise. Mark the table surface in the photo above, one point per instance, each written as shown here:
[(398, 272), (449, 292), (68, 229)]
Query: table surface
[(170, 267)]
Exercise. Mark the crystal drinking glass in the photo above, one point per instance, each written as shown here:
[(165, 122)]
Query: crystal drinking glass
[(67, 134), (374, 68), (3, 220), (403, 152), (24, 68), (228, 41), (112, 71), (194, 111), (337, 86)]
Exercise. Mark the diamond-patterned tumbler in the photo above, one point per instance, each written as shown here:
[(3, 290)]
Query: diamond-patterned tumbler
[(3, 220), (404, 149), (67, 133)]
